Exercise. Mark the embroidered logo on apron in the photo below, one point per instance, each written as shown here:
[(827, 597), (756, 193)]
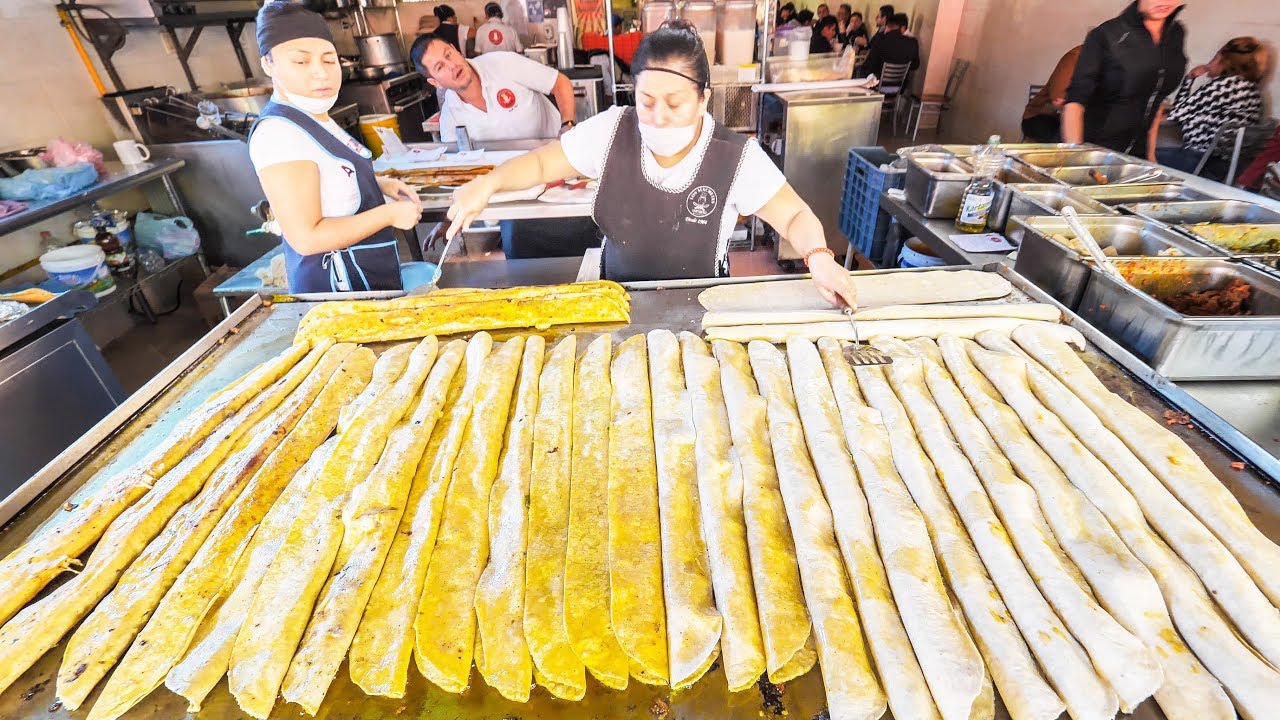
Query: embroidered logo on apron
[(495, 37), (506, 99), (702, 201)]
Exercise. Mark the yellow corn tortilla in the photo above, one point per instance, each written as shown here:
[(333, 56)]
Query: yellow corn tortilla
[(586, 565)]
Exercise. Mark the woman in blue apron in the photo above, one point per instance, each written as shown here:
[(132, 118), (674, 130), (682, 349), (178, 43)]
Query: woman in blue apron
[(338, 226), (672, 182)]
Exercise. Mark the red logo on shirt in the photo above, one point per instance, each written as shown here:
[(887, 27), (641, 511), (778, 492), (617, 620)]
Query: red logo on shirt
[(506, 99), (495, 37)]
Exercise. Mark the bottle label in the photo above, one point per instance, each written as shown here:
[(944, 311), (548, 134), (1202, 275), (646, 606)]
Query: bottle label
[(975, 209)]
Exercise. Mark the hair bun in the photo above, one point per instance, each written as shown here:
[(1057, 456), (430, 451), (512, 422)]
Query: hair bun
[(681, 25)]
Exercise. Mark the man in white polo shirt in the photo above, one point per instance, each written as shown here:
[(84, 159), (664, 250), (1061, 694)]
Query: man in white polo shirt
[(497, 96), (495, 34)]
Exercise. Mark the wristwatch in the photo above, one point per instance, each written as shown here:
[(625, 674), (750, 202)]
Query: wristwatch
[(568, 123)]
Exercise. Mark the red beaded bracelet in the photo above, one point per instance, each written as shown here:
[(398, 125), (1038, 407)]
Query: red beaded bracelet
[(815, 251)]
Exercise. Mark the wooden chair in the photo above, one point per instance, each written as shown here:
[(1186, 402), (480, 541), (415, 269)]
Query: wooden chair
[(934, 102)]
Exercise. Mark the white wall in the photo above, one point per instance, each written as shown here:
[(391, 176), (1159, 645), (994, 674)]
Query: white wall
[(1016, 43)]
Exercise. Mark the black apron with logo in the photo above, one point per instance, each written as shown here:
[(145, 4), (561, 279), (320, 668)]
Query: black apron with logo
[(655, 234), (371, 264)]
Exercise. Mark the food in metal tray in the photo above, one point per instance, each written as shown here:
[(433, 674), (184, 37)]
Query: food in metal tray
[(442, 176), (1257, 239), (1233, 299)]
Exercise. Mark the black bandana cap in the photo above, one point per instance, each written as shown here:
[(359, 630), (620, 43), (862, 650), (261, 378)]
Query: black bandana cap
[(280, 21)]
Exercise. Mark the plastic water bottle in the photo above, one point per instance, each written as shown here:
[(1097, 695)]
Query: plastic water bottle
[(976, 203)]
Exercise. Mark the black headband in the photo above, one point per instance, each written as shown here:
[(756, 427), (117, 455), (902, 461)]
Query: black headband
[(674, 72), (278, 25)]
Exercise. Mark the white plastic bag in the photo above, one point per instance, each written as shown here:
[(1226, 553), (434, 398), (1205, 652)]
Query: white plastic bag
[(174, 237)]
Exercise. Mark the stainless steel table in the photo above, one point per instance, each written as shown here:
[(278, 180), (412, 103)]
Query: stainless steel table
[(118, 179), (936, 234)]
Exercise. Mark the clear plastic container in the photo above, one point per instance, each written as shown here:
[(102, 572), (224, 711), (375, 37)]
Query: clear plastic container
[(702, 15), (798, 43), (656, 13), (736, 33)]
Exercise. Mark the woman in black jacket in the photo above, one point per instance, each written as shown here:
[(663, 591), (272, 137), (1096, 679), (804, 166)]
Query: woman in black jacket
[(1128, 65)]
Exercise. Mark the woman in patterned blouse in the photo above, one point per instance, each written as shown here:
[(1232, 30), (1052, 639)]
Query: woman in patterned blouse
[(1231, 98)]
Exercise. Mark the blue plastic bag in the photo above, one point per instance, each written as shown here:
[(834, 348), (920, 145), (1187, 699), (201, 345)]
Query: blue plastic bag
[(48, 184)]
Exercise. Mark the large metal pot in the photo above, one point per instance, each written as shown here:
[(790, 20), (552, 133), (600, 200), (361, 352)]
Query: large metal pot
[(380, 50)]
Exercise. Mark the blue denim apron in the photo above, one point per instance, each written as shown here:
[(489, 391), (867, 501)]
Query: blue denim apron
[(372, 263)]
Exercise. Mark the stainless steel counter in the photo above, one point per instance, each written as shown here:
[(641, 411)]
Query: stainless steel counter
[(937, 234)]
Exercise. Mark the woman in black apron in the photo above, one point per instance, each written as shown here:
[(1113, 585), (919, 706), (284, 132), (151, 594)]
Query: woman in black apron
[(324, 252), (672, 181)]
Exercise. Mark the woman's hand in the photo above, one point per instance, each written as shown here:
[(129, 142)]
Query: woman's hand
[(1197, 71), (398, 190), (405, 214), (468, 202), (833, 281)]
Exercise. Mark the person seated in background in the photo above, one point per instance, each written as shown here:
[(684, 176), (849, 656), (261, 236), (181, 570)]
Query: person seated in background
[(1230, 99), (824, 36), (787, 16), (495, 33), (882, 19), (892, 47), (822, 12), (805, 18), (1268, 160), (851, 30), (1041, 120)]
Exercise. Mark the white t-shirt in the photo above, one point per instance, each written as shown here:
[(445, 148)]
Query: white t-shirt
[(277, 140), (497, 35), (515, 92), (587, 147)]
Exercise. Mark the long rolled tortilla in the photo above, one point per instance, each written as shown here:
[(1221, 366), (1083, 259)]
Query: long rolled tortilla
[(968, 577), (951, 667), (1025, 311), (1168, 458), (1123, 584), (210, 650), (586, 563), (720, 502), (453, 296), (1062, 660), (1120, 657), (851, 687), (53, 549), (502, 655), (635, 538), (784, 620), (900, 329), (233, 501), (41, 625), (693, 622), (391, 365), (877, 290), (370, 519), (383, 645), (1191, 691), (555, 665), (289, 588), (445, 627), (1253, 615)]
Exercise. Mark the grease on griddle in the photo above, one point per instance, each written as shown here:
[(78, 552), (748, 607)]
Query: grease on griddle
[(771, 696), (35, 690), (660, 709)]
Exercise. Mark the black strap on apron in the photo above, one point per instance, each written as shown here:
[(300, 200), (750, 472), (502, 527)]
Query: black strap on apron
[(371, 264), (655, 234)]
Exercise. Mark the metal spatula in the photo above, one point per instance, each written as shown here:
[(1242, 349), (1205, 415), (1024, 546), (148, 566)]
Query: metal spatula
[(859, 355)]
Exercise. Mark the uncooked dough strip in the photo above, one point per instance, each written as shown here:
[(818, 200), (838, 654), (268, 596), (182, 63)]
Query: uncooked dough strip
[(891, 646), (445, 627), (554, 663), (693, 623), (1168, 458), (852, 689), (383, 645), (874, 290), (391, 365), (502, 654), (635, 537), (586, 563), (1026, 694), (901, 329), (720, 500), (784, 619), (1025, 311)]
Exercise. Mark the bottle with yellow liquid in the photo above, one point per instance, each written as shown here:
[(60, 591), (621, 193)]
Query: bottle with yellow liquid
[(975, 204)]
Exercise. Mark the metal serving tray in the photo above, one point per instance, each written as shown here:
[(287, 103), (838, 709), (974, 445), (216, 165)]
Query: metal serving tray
[(1046, 199), (935, 183), (1063, 273), (1146, 192), (1269, 263), (1240, 239), (1203, 211), (1182, 347), (1069, 157), (1082, 176)]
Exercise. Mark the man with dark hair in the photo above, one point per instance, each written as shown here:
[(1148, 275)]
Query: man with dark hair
[(497, 96), (805, 18), (851, 30), (892, 46), (882, 19), (824, 36), (495, 33)]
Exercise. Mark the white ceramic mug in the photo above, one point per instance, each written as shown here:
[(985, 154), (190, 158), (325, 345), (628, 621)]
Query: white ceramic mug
[(131, 152)]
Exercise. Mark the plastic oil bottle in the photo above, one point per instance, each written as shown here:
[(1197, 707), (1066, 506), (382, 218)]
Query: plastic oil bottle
[(975, 204)]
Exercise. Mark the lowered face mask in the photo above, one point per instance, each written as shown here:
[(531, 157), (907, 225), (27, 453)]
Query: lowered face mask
[(667, 141), (314, 106)]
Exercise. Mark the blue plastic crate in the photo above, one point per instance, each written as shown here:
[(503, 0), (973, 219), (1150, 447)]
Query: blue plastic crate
[(861, 220)]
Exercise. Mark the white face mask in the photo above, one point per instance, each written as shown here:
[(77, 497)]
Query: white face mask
[(315, 106), (667, 141)]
